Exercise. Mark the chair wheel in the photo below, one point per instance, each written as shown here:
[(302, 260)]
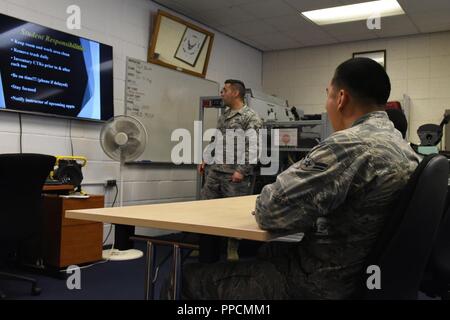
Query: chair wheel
[(35, 291)]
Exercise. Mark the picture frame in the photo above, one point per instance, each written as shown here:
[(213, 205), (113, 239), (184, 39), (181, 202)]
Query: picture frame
[(377, 55), (190, 46), (180, 45)]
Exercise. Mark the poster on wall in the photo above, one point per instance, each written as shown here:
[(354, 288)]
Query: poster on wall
[(378, 56)]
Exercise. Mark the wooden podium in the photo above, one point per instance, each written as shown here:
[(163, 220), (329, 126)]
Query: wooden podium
[(68, 241)]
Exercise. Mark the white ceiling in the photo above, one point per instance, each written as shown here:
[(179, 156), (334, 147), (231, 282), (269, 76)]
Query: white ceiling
[(277, 24)]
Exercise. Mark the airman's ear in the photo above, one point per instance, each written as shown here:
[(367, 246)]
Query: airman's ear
[(343, 99)]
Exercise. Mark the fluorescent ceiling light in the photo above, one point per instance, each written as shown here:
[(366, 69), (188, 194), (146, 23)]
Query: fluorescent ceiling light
[(355, 12)]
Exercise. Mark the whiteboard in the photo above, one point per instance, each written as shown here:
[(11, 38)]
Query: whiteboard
[(164, 100)]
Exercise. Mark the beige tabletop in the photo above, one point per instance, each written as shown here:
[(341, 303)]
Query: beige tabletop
[(229, 217)]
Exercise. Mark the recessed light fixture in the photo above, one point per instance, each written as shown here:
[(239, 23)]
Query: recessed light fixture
[(354, 12)]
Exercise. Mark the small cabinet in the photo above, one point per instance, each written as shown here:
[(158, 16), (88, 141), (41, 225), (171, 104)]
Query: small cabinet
[(69, 241)]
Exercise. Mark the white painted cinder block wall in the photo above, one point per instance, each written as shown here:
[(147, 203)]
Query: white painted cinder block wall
[(124, 24), (418, 66)]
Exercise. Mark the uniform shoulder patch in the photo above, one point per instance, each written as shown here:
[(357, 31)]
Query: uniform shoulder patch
[(308, 164)]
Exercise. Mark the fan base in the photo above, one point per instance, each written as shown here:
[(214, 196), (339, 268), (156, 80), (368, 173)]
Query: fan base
[(118, 255)]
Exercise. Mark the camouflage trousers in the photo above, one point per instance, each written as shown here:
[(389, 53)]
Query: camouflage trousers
[(280, 271), (269, 276), (219, 185)]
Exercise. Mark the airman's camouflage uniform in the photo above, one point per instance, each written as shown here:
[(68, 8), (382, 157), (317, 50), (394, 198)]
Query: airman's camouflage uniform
[(339, 195)]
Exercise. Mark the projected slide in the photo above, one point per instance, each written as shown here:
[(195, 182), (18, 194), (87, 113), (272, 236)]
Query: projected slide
[(47, 71)]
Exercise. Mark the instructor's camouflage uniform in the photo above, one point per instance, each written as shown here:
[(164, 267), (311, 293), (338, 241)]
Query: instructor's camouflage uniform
[(218, 182), (339, 195)]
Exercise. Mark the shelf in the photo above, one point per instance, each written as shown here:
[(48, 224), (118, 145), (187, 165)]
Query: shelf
[(57, 187), (304, 123), (295, 149)]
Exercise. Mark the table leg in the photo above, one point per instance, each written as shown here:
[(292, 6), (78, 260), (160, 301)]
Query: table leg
[(149, 266), (176, 272)]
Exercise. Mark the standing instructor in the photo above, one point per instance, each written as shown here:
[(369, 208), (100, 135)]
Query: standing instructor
[(229, 179)]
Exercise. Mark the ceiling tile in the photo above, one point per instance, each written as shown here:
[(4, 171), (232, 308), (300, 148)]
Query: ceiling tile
[(202, 5), (347, 2), (266, 8), (432, 22), (177, 6), (251, 28), (231, 32), (355, 37), (255, 43), (276, 41), (298, 28), (354, 27), (396, 26), (305, 5), (239, 2), (289, 22), (308, 40), (350, 31), (226, 16), (421, 6)]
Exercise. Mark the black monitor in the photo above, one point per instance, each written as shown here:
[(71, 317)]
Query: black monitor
[(49, 72)]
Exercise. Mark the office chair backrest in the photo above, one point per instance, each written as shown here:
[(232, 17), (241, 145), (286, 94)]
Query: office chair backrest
[(439, 264), (405, 244), (22, 177)]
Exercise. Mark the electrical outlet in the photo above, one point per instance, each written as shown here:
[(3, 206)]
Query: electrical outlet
[(111, 183)]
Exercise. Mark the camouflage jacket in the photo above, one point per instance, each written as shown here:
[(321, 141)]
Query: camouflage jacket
[(339, 196), (232, 120)]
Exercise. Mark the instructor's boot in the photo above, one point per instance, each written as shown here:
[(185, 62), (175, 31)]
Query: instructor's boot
[(232, 249)]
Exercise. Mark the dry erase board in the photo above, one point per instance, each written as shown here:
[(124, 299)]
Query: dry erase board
[(164, 100)]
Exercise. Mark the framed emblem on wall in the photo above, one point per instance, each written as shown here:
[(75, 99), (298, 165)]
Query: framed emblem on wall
[(180, 45)]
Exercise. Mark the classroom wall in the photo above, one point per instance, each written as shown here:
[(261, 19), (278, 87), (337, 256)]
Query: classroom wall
[(418, 66), (125, 25)]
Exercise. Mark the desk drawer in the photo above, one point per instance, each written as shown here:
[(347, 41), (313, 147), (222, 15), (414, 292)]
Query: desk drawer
[(81, 244), (93, 202)]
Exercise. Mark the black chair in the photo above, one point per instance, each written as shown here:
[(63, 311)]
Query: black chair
[(436, 281), (22, 177), (405, 244)]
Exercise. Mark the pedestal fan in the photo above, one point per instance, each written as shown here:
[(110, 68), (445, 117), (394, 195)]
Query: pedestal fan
[(123, 138)]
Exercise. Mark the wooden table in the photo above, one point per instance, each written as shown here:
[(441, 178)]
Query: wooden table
[(229, 217)]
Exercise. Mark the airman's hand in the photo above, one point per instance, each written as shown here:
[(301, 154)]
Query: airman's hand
[(237, 177), (201, 168)]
